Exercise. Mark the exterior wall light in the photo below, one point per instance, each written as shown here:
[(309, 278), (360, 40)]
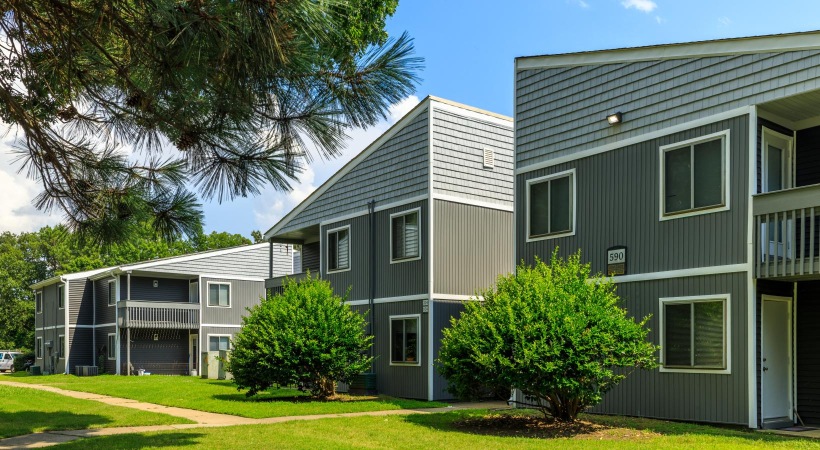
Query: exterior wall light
[(615, 119)]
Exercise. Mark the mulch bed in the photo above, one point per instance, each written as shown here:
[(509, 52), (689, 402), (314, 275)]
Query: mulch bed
[(539, 427)]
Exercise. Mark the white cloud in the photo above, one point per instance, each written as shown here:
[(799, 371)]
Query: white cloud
[(271, 205), (646, 6), (17, 214), (725, 20)]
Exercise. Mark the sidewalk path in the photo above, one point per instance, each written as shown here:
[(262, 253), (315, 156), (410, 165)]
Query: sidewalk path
[(202, 418)]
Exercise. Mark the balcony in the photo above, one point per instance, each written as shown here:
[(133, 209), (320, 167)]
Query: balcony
[(162, 315), (787, 231), (276, 284)]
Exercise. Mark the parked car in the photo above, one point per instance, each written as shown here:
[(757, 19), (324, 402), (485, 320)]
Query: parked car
[(7, 360)]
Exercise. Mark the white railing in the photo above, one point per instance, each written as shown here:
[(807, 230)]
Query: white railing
[(163, 315)]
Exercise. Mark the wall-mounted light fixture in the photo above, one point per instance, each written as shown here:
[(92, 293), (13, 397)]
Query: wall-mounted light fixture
[(615, 119), (156, 283), (156, 336)]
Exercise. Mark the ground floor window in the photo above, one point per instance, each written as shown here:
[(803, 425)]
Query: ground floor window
[(38, 350), (693, 333), (404, 339), (112, 346), (61, 346), (217, 343)]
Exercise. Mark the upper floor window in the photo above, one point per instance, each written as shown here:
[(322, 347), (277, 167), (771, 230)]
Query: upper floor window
[(61, 296), (694, 332), (38, 301), (405, 236), (219, 294), (693, 176), (551, 206), (112, 292), (338, 249)]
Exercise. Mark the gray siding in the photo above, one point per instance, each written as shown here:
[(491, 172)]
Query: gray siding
[(560, 111), (443, 312), (397, 170), (81, 301), (244, 294), (311, 258), (252, 262), (49, 362), (104, 313), (458, 158), (203, 338), (398, 381), (283, 263), (686, 396), (473, 246), (617, 204), (168, 355), (393, 280), (101, 335), (81, 343), (52, 314), (167, 290)]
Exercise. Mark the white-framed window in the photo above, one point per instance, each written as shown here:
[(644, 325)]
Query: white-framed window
[(112, 346), (219, 294), (405, 340), (61, 296), (551, 206), (112, 292), (38, 301), (217, 342), (405, 236), (61, 346), (695, 176), (694, 334), (338, 249), (38, 348)]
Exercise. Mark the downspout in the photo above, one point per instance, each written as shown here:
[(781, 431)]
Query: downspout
[(270, 265), (67, 328), (371, 207)]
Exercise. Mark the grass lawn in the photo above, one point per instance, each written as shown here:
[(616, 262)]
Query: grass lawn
[(456, 430), (218, 396), (24, 411)]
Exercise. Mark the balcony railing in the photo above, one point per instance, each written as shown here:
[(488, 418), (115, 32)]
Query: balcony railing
[(787, 229), (164, 315), (276, 284)]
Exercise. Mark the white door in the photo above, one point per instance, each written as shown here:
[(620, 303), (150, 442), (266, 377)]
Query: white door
[(776, 175), (776, 358), (193, 352)]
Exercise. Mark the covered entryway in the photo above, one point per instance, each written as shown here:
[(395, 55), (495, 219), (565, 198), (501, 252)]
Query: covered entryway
[(776, 362)]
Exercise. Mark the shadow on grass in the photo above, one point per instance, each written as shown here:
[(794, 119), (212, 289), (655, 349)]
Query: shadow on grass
[(138, 441), (26, 422)]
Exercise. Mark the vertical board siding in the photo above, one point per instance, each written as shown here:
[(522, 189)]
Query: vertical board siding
[(81, 344), (101, 334), (168, 355), (560, 111), (443, 312), (807, 352), (392, 280), (686, 396), (244, 294), (105, 313), (205, 331), (618, 204), (81, 301), (396, 171), (311, 258), (398, 381), (167, 290), (283, 260), (252, 263), (472, 247), (458, 158)]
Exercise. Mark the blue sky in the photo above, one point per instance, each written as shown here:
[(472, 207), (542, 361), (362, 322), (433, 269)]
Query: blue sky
[(469, 48)]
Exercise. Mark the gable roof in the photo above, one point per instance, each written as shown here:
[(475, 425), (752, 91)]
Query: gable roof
[(370, 149), (809, 40)]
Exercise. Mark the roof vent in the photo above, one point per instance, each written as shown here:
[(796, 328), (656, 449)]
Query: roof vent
[(489, 158)]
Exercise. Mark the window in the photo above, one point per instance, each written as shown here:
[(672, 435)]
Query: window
[(112, 292), (693, 333), (217, 343), (405, 236), (338, 249), (38, 301), (404, 340), (219, 294), (61, 296), (61, 346), (693, 175), (38, 348), (551, 208), (112, 346)]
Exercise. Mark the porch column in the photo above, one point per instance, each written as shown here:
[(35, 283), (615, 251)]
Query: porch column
[(128, 287), (128, 347)]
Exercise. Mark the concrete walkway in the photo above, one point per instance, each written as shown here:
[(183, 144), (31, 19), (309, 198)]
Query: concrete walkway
[(202, 419)]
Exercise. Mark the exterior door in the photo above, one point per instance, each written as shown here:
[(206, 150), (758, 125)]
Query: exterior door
[(776, 358), (193, 352), (776, 175)]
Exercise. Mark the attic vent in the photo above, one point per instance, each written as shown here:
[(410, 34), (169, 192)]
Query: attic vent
[(489, 158)]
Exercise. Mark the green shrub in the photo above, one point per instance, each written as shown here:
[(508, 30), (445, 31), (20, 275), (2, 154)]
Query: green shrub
[(305, 337), (550, 331), (20, 361)]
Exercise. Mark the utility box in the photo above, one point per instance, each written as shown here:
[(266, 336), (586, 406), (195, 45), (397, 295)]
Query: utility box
[(213, 366), (363, 384)]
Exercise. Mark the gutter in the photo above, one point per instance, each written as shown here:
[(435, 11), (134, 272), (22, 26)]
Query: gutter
[(371, 206)]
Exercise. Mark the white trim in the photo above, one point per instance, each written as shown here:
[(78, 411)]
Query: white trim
[(108, 298), (63, 299), (735, 46), (365, 212), (62, 355), (208, 341), (787, 169), (789, 351), (481, 116), (418, 339), (681, 273), (573, 199), (38, 293), (38, 350), (416, 210), (208, 295), (53, 327), (751, 295), (199, 330), (193, 257), (431, 207), (743, 110), (116, 349), (66, 325), (458, 297), (326, 256), (727, 332), (230, 277), (103, 325), (472, 202), (217, 325), (405, 298)]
